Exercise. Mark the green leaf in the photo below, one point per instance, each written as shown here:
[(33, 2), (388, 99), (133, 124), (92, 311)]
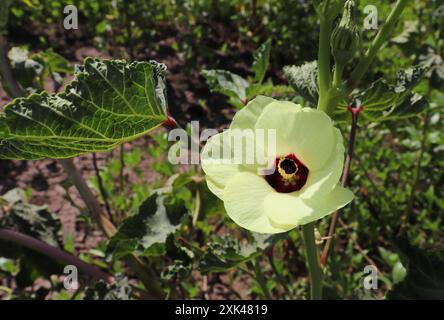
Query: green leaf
[(304, 80), (225, 253), (227, 83), (4, 11), (53, 61), (182, 260), (54, 65), (261, 60), (108, 103), (425, 279), (398, 272), (146, 232), (119, 290), (10, 266), (384, 101), (30, 219)]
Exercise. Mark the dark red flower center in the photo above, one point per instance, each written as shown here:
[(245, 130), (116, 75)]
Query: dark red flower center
[(290, 174)]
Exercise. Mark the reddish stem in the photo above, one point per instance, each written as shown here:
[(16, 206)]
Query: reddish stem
[(344, 180), (54, 253)]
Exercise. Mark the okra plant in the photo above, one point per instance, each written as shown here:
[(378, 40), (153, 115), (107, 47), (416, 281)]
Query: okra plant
[(282, 165)]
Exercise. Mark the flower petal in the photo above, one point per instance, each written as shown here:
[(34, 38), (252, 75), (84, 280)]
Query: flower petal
[(217, 163), (323, 206), (231, 152), (321, 182), (244, 198), (306, 132), (248, 115), (287, 211)]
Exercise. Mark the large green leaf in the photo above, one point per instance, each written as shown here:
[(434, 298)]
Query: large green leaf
[(384, 101), (146, 232), (261, 60), (304, 80), (108, 103)]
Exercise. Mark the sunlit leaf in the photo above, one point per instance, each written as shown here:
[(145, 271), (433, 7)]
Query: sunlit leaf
[(146, 232), (108, 103)]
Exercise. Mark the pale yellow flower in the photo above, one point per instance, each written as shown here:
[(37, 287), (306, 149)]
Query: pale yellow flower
[(308, 158)]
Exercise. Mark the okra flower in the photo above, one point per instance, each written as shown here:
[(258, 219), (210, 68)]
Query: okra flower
[(304, 157)]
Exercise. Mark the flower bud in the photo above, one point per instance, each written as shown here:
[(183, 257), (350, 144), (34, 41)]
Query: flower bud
[(345, 37)]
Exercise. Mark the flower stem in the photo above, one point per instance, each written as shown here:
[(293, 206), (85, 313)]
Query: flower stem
[(324, 66), (314, 267)]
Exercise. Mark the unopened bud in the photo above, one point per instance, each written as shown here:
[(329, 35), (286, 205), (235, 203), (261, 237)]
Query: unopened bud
[(345, 37)]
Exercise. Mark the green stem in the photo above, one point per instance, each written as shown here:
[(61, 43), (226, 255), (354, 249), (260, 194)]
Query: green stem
[(377, 43), (314, 267), (261, 279), (324, 66)]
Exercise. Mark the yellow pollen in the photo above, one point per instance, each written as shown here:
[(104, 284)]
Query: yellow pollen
[(287, 168)]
